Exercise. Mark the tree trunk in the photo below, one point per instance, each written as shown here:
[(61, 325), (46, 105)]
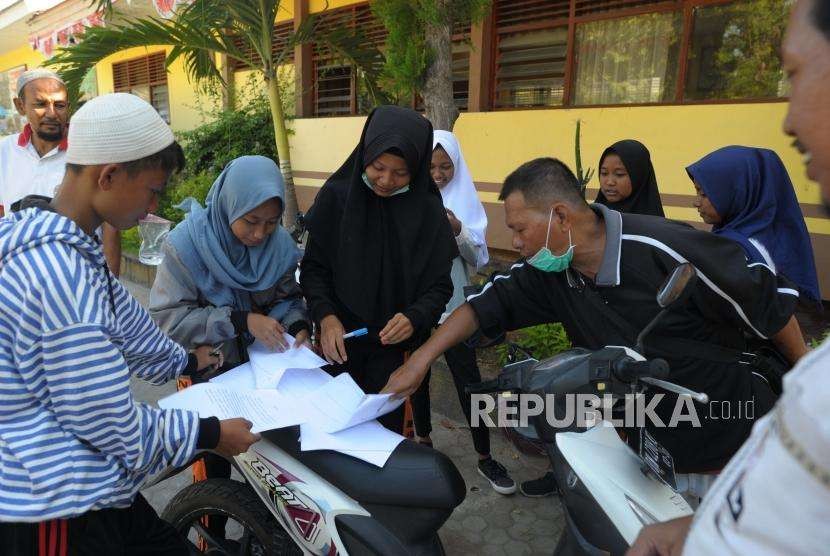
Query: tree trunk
[(289, 216), (437, 92)]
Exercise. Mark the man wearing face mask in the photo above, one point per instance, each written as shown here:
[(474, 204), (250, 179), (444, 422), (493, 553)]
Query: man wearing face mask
[(597, 272)]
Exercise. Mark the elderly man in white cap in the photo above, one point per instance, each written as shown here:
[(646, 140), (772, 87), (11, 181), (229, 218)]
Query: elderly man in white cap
[(33, 162), (75, 447)]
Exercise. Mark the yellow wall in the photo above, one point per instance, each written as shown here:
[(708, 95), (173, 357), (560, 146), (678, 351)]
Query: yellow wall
[(185, 101), (22, 55), (495, 143)]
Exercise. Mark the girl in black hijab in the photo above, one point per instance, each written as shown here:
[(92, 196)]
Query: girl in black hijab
[(627, 181), (379, 251)]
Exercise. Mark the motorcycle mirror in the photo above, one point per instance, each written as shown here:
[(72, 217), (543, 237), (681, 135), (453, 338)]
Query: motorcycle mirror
[(678, 286)]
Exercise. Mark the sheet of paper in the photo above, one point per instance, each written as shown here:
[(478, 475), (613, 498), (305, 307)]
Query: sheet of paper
[(372, 407), (370, 441), (270, 365), (298, 383), (340, 403), (266, 409), (238, 378)]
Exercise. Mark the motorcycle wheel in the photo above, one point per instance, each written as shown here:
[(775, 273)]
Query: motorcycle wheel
[(253, 529)]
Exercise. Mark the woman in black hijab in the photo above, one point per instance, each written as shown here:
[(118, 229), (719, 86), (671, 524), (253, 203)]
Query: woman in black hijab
[(379, 251), (627, 181)]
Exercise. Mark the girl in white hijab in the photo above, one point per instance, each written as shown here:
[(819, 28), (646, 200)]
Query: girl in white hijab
[(466, 213), (469, 224)]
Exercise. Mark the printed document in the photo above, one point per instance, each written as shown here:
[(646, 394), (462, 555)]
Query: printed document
[(266, 409)]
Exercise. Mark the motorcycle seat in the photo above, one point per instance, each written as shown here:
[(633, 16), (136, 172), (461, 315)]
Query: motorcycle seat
[(414, 475)]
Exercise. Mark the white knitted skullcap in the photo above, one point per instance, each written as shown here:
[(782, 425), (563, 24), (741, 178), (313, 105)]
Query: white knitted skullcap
[(118, 127), (37, 73)]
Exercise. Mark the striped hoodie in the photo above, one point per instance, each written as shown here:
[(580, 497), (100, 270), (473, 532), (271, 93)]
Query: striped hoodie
[(72, 439)]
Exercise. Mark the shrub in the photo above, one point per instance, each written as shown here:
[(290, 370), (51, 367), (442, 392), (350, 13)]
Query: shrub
[(245, 130), (542, 341)]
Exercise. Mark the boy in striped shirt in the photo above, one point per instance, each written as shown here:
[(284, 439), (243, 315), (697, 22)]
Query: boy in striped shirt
[(74, 446)]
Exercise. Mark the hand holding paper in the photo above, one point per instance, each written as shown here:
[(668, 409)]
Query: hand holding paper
[(340, 404), (266, 409)]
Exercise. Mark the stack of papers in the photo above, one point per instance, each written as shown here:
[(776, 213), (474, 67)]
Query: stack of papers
[(275, 390)]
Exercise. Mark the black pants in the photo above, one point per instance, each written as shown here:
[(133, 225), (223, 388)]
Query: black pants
[(133, 531), (461, 360), (370, 364)]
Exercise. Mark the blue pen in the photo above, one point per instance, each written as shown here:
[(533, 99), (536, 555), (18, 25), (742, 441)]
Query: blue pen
[(356, 333)]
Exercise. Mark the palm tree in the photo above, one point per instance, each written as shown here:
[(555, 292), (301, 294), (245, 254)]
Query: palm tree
[(241, 30)]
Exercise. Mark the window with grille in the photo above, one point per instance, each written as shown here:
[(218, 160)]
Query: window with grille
[(734, 51), (145, 77), (531, 53), (339, 89), (282, 32), (627, 60), (530, 68)]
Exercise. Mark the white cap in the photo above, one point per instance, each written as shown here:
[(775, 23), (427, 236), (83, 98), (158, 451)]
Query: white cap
[(118, 127), (37, 73)]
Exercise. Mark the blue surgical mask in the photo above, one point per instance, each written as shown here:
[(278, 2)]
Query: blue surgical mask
[(546, 261), (369, 184)]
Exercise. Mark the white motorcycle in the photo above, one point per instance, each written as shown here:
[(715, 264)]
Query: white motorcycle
[(609, 492), (321, 502)]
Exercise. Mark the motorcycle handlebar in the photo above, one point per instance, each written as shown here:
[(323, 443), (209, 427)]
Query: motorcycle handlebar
[(629, 370)]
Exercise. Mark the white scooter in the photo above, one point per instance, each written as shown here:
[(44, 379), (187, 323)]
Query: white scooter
[(609, 492), (321, 502)]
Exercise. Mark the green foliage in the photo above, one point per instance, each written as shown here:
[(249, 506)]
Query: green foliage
[(406, 52), (406, 22), (228, 134), (543, 341), (748, 60), (816, 342), (585, 177)]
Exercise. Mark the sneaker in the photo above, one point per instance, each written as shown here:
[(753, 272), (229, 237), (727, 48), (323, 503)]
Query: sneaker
[(543, 486), (495, 472)]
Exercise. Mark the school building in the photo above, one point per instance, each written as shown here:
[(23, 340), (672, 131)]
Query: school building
[(685, 77)]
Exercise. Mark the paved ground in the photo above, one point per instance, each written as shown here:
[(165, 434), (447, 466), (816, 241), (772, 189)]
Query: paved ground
[(487, 522)]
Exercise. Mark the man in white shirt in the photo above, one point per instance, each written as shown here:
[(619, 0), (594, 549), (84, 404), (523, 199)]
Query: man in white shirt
[(774, 495), (32, 162)]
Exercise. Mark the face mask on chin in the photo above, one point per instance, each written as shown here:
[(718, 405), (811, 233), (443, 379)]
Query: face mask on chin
[(546, 261), (371, 186)]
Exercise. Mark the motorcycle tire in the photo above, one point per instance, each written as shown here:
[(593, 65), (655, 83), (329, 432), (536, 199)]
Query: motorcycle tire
[(237, 501)]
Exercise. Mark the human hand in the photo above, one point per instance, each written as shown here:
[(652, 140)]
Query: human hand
[(406, 378), (301, 338), (398, 329), (334, 348), (235, 436), (455, 223), (268, 331), (661, 539), (206, 360)]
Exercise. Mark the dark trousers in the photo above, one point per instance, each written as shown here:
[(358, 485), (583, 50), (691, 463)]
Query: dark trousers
[(133, 531), (370, 364), (461, 360)]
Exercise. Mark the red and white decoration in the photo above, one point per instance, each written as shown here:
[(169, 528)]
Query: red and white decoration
[(65, 34)]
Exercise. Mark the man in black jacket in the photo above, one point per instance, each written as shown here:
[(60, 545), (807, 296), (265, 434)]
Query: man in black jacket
[(597, 272)]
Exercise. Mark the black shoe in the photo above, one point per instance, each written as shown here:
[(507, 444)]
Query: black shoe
[(543, 486), (495, 472)]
